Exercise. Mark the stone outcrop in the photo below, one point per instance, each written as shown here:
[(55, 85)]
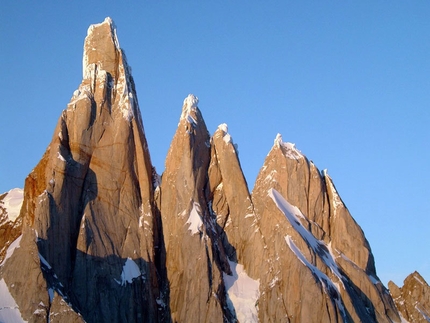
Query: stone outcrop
[(412, 299), (101, 238)]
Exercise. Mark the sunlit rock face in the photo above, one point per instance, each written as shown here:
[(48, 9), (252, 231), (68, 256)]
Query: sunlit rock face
[(91, 228), (97, 236), (412, 299), (316, 255)]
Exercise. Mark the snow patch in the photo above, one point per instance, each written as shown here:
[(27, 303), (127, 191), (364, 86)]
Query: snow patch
[(9, 310), (226, 136), (289, 149), (12, 203), (60, 157), (130, 271), (189, 106), (337, 201), (195, 219), (243, 292), (14, 245)]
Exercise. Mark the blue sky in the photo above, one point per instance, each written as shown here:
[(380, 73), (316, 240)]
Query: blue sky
[(348, 82)]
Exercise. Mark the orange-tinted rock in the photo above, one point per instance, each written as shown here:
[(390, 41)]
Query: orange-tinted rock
[(412, 299)]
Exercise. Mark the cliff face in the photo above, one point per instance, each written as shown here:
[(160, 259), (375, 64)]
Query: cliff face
[(100, 238), (90, 223)]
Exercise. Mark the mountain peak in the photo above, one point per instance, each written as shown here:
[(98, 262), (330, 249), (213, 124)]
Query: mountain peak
[(189, 109), (101, 47), (288, 149)]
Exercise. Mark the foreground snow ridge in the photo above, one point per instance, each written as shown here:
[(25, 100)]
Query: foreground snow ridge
[(9, 311), (12, 203), (243, 293)]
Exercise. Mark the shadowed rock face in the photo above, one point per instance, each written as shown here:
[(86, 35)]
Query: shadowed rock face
[(100, 239), (413, 298)]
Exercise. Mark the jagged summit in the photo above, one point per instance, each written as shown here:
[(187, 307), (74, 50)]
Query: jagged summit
[(106, 72), (412, 299), (100, 239), (289, 149), (189, 109), (101, 47)]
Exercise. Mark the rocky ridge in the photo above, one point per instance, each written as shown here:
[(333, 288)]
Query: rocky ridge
[(100, 238), (412, 299)]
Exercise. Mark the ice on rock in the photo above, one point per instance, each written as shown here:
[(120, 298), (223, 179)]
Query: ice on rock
[(226, 136), (337, 201), (130, 271), (223, 127), (293, 215), (195, 220), (190, 105), (289, 149)]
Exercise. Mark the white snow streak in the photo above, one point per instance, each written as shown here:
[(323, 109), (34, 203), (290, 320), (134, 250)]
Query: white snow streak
[(243, 292), (337, 201), (292, 213), (423, 313), (12, 203), (43, 260), (195, 219), (330, 288), (14, 245)]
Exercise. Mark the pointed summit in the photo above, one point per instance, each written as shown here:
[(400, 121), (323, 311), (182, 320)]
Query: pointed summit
[(89, 211), (101, 47), (189, 109)]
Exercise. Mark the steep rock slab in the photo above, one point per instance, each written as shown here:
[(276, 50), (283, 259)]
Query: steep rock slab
[(412, 299), (195, 259), (301, 272), (231, 204), (231, 201), (89, 202)]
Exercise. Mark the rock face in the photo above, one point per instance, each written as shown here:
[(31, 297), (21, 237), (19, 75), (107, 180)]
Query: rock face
[(90, 224), (413, 299), (100, 238)]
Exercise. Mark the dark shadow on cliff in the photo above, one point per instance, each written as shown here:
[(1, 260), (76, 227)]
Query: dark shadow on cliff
[(111, 289), (100, 289)]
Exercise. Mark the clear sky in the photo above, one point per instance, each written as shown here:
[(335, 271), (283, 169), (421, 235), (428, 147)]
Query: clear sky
[(347, 81)]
